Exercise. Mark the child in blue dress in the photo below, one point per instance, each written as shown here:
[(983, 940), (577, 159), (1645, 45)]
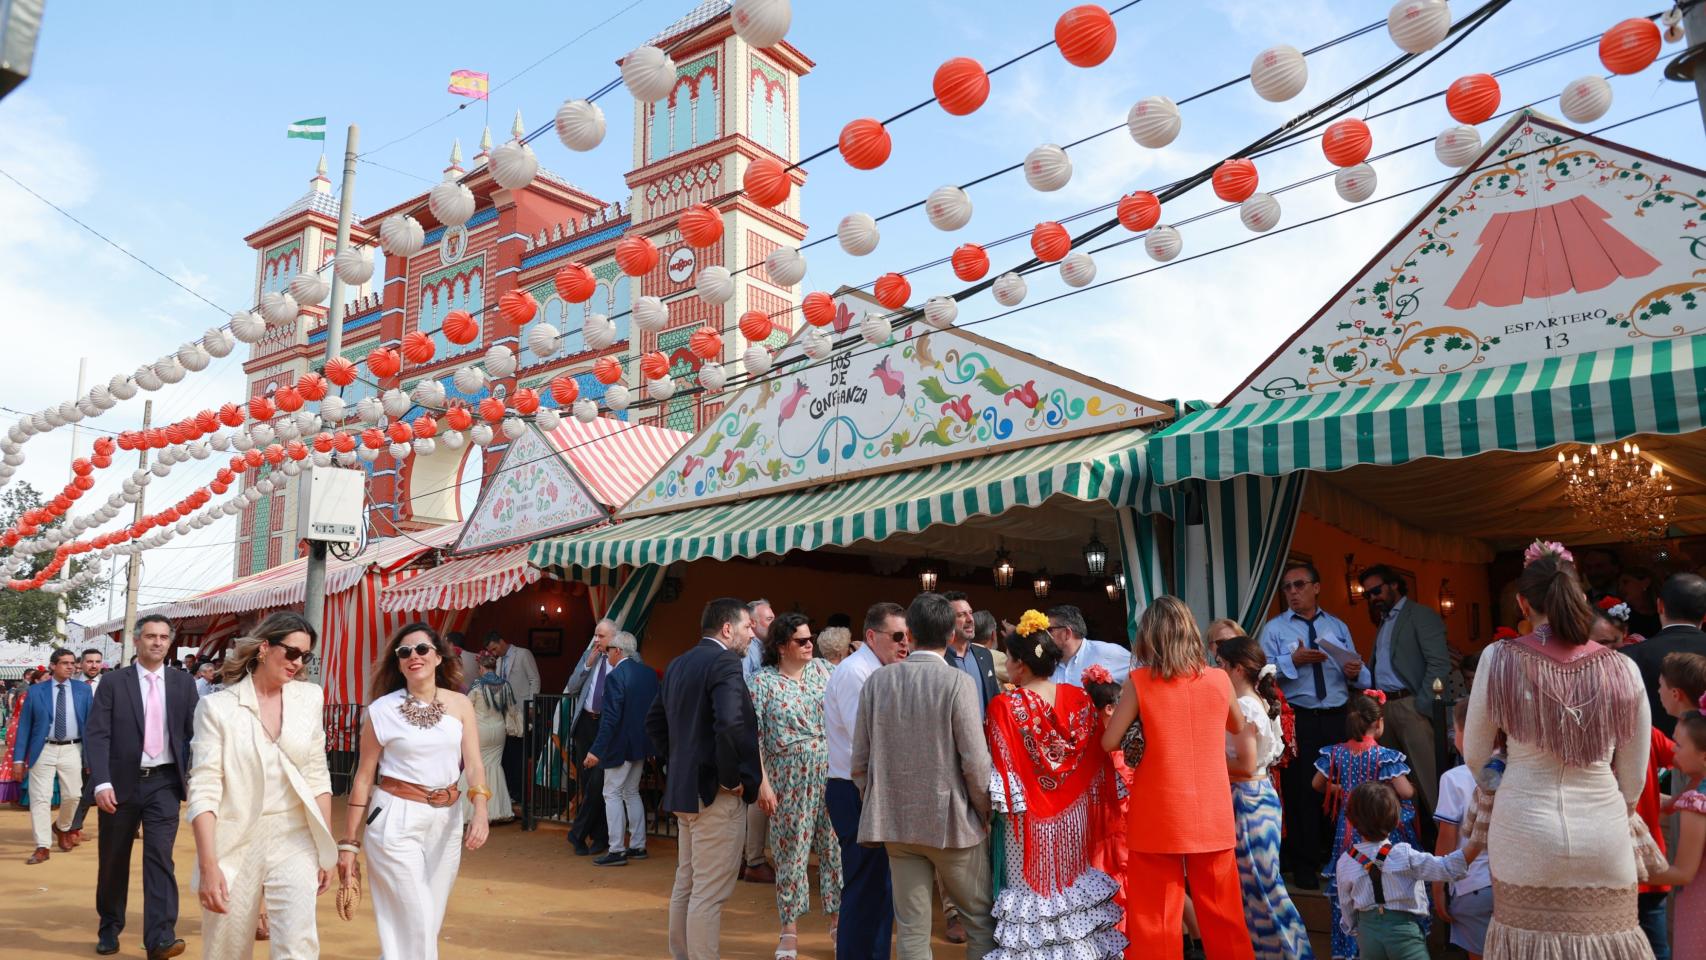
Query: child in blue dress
[(1342, 768)]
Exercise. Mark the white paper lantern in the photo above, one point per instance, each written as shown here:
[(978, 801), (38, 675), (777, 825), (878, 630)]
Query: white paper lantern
[(160, 468), (585, 411), (1163, 243), (290, 468), (858, 234), (542, 340), (815, 343), (395, 403), (712, 376), (617, 397), (38, 421), (145, 378), (451, 203), (121, 386), (262, 433), (220, 442), (198, 451), (321, 460), (715, 285), (949, 208), (660, 389), (875, 328), (1355, 184), (649, 74), (1458, 145), (650, 313), (1261, 212), (547, 419), (354, 266), (481, 434), (247, 328), (69, 413), (399, 451), (307, 289), (1078, 269), (580, 125), (1153, 122), (514, 165), (756, 360), (453, 439), (1009, 289), (514, 428), (941, 312), (1417, 26), (242, 443), (468, 379), (1048, 168), (218, 343), (367, 454), (401, 236), (262, 487), (786, 266), (1279, 73), (194, 357), (102, 396), (762, 23), (500, 361), (1585, 99), (598, 331), (427, 393), (278, 307)]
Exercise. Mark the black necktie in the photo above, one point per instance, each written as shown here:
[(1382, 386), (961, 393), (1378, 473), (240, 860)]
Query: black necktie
[(1320, 674), (59, 712)]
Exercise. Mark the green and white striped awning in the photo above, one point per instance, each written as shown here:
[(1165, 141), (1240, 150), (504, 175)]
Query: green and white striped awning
[(1651, 387), (1105, 467)]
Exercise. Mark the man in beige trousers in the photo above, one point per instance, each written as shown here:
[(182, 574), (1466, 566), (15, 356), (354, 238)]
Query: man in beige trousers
[(926, 799)]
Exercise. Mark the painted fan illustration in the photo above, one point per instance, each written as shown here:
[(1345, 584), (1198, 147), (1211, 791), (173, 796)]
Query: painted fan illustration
[(1548, 252)]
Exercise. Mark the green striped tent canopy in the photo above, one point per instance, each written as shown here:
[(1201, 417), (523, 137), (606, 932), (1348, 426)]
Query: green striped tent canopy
[(1105, 467), (1646, 387)]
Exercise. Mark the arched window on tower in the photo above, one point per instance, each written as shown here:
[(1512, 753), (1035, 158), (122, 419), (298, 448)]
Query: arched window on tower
[(767, 107), (687, 117)]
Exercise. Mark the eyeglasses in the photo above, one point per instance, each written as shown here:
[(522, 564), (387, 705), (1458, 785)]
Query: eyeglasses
[(1376, 588), (293, 654), (899, 636), (802, 641), (1295, 584), (419, 650)]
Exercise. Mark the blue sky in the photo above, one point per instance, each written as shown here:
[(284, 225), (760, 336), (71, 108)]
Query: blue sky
[(165, 130)]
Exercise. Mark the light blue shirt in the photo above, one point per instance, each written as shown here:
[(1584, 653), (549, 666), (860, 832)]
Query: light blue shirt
[(1288, 631), (72, 732), (754, 659), (1115, 658), (1385, 675)]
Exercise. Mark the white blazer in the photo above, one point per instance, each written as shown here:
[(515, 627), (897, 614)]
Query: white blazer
[(228, 777)]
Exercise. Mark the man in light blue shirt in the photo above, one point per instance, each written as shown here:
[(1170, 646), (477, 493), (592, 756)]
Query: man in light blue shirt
[(1317, 688), (754, 868), (1077, 652)]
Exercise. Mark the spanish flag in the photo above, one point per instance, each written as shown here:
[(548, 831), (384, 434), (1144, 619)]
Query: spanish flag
[(470, 84)]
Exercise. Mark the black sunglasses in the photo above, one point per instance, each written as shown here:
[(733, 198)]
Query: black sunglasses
[(802, 641), (293, 654), (899, 636), (419, 650)]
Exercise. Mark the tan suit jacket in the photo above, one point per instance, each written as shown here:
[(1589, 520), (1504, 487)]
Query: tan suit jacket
[(919, 756)]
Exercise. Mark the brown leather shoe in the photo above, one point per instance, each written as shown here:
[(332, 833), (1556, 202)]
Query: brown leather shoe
[(77, 838), (64, 838), (39, 856), (761, 873), (956, 931)]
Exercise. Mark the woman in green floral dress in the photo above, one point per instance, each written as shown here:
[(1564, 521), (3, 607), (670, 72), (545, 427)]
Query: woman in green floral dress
[(788, 696)]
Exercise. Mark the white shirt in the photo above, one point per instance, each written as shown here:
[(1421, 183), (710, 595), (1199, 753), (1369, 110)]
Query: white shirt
[(159, 675), (1385, 672), (841, 708), (94, 684), (72, 732), (1269, 746), (1403, 877), (1456, 792), (1112, 656)]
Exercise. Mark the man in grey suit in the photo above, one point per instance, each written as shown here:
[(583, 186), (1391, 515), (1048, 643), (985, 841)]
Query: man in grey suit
[(1409, 655), (926, 799)]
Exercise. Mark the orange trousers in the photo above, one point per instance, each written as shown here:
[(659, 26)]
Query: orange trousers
[(1155, 905)]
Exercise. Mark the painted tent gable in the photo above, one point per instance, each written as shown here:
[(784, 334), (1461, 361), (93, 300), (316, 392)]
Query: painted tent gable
[(1553, 243), (926, 397), (534, 493)]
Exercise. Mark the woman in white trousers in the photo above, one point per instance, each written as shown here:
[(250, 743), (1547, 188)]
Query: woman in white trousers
[(260, 798), (416, 734)]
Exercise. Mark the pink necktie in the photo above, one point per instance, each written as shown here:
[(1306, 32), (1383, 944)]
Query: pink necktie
[(154, 734)]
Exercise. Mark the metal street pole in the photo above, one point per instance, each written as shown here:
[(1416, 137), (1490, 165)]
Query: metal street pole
[(63, 615), (1689, 64), (132, 571), (314, 597)]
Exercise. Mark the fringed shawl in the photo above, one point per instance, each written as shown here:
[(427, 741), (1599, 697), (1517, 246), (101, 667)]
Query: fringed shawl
[(1577, 711)]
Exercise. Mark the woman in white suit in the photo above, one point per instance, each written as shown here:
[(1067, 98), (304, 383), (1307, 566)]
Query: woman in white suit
[(260, 797)]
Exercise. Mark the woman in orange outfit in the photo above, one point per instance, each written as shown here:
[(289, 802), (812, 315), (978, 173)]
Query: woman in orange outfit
[(1180, 815)]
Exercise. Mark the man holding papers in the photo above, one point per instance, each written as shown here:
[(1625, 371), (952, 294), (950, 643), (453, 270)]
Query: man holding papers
[(1317, 663)]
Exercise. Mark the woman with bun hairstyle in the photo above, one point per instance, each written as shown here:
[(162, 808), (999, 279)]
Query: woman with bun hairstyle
[(1276, 928), (1052, 787)]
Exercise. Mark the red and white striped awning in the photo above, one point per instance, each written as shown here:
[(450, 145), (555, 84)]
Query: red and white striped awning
[(287, 583), (465, 583), (613, 457)]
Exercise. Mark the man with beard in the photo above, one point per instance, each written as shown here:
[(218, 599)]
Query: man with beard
[(1409, 655)]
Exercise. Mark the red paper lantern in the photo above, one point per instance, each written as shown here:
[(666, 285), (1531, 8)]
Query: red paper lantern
[(82, 467), (767, 182), (1050, 242), (755, 326), (701, 225), (565, 390), (1630, 46), (960, 85), (323, 442), (295, 450), (61, 503), (260, 408), (83, 484), (425, 426), (252, 458), (1139, 211), (287, 399), (1085, 35), (371, 438), (102, 462), (343, 442), (104, 446), (636, 255), (971, 262), (400, 432), (492, 410), (865, 144), (459, 326), (274, 453), (518, 307), (1235, 180), (206, 421), (340, 371), (1472, 99), (1347, 142), (706, 343), (575, 283), (654, 365), (608, 370), (893, 291), (459, 418), (383, 362), (176, 434), (819, 308), (525, 400), (157, 437), (418, 347)]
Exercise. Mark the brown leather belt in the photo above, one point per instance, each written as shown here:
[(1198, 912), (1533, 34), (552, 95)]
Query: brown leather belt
[(403, 790)]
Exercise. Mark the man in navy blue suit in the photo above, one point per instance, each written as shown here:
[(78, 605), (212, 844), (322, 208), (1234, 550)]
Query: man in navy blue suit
[(49, 745), (622, 748)]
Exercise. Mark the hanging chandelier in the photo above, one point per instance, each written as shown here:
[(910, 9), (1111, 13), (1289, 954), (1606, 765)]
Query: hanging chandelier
[(1618, 490)]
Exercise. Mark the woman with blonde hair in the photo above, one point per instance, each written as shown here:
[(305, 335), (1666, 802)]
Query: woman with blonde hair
[(1180, 818), (834, 643), (1222, 630), (260, 797)]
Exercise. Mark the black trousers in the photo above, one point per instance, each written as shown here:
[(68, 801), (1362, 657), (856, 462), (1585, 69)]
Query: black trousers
[(1307, 833), (590, 824), (154, 807), (85, 803), (867, 901), (514, 759)]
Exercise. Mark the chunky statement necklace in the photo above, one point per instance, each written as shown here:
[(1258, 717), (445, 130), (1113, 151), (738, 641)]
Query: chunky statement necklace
[(419, 714)]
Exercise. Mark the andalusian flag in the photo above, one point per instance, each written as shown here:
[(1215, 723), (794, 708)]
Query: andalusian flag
[(470, 83), (313, 128)]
